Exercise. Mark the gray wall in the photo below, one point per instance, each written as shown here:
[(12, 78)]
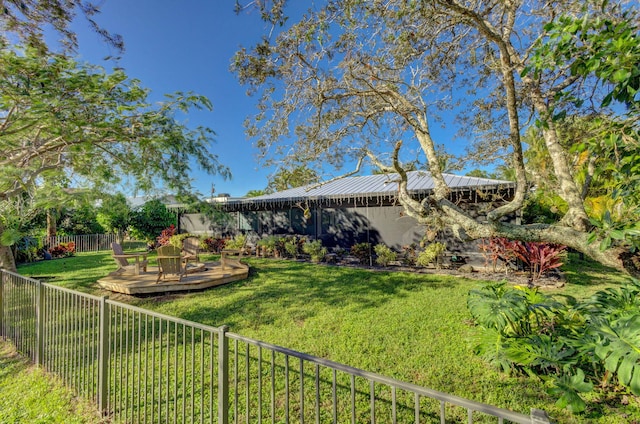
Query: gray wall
[(342, 227)]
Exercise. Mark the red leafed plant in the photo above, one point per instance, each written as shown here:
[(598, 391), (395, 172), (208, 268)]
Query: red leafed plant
[(215, 244), (499, 249), (63, 250), (539, 258), (166, 234)]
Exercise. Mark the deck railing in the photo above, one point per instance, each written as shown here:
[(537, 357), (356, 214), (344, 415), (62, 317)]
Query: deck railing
[(141, 366)]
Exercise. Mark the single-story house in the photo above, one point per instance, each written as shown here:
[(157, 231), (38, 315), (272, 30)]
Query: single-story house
[(351, 210)]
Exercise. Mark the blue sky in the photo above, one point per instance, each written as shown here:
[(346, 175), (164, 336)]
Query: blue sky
[(187, 46)]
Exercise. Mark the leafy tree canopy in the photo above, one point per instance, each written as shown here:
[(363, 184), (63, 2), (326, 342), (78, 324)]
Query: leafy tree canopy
[(26, 20), (114, 214), (67, 125), (352, 79), (65, 121), (285, 179), (148, 222)]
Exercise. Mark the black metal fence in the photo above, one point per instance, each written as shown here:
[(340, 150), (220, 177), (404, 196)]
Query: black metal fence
[(139, 366)]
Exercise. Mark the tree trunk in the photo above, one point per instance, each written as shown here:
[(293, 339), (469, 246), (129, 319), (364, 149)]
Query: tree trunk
[(52, 229), (7, 260)]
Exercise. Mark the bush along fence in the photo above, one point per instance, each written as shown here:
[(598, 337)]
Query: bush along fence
[(83, 243), (141, 366)]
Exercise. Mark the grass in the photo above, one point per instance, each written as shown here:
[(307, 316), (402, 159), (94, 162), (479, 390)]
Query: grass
[(29, 395), (414, 327)]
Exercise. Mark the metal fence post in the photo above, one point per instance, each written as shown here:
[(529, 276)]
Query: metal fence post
[(539, 416), (223, 375), (103, 355), (40, 324)]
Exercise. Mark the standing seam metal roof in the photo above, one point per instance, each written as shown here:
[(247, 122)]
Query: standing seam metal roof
[(371, 186)]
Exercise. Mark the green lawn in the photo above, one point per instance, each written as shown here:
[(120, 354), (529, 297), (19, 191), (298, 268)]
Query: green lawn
[(414, 327), (29, 395)]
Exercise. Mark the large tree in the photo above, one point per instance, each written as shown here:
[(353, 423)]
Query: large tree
[(354, 79), (71, 124)]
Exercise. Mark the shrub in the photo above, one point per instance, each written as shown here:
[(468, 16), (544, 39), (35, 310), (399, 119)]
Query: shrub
[(214, 245), (238, 242), (362, 251), (499, 249), (165, 236), (63, 250), (408, 255), (177, 239), (431, 254), (384, 254), (537, 258), (28, 249), (315, 250), (293, 246), (268, 245), (579, 345)]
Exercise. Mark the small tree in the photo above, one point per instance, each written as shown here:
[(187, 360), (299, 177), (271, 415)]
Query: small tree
[(115, 214), (149, 221)]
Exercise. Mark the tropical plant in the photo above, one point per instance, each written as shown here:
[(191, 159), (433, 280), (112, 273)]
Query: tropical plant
[(63, 250), (315, 250), (268, 244), (431, 254), (178, 239), (165, 235), (237, 242), (539, 258), (293, 246), (576, 344), (499, 249), (384, 254), (362, 251), (213, 244)]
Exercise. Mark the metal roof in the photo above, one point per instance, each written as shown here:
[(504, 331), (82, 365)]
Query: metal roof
[(379, 186)]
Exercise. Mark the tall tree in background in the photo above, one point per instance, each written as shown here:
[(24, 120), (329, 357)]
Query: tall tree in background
[(148, 222), (353, 79), (298, 176), (115, 214)]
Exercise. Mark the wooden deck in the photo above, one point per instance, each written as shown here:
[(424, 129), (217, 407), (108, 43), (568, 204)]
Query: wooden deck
[(209, 274)]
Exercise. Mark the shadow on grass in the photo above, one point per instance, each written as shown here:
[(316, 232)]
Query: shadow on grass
[(581, 271), (276, 289)]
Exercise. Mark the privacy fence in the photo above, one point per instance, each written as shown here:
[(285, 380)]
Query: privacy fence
[(139, 366), (83, 243)]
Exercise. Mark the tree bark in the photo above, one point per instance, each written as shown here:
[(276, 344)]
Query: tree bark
[(7, 260), (52, 229)]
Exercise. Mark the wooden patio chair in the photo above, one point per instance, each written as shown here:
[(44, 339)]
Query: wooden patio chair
[(191, 249), (170, 263), (122, 260)]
